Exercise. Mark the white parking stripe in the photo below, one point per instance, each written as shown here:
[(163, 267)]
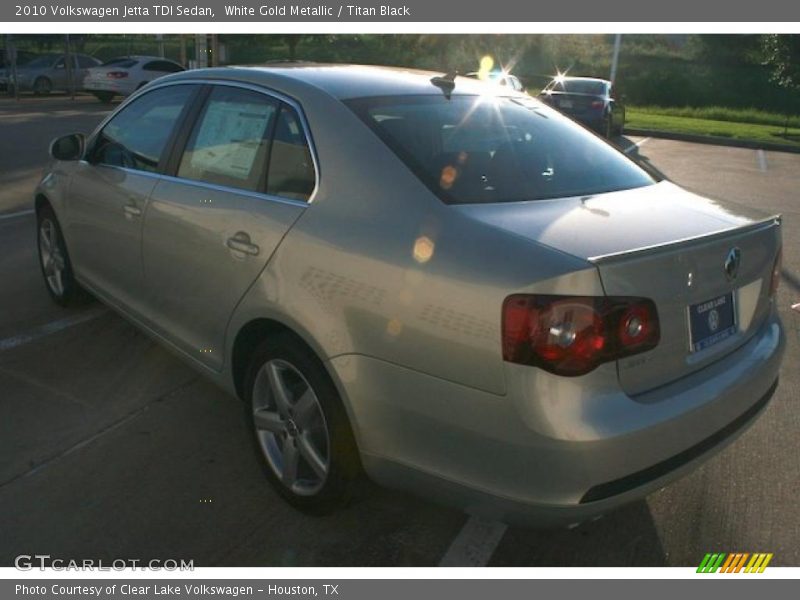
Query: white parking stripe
[(761, 156), (14, 215), (636, 145), (474, 544), (49, 328)]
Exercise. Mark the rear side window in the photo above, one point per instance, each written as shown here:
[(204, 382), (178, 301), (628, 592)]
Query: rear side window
[(474, 149), (162, 66), (229, 144), (136, 137), (86, 62), (291, 168), (123, 63)]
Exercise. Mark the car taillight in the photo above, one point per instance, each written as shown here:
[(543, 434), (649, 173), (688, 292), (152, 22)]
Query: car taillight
[(597, 104), (117, 74), (776, 273), (571, 336)]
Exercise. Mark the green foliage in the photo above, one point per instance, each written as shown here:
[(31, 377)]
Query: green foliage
[(744, 131), (722, 113), (782, 56)]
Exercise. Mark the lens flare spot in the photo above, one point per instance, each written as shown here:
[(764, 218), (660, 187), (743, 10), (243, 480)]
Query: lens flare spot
[(485, 69), (423, 249), (394, 327), (449, 175)]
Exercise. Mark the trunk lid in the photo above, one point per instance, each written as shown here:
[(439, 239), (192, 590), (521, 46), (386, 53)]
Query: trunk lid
[(572, 103), (663, 243)]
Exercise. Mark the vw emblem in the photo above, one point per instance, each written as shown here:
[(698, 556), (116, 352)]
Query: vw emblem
[(713, 319), (732, 263)]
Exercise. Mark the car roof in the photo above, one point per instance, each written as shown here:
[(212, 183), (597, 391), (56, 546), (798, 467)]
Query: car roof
[(345, 81)]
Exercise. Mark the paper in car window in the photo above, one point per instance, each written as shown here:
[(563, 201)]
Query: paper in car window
[(230, 137)]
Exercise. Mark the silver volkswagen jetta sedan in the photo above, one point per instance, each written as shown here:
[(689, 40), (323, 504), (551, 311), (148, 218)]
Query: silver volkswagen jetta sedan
[(445, 284)]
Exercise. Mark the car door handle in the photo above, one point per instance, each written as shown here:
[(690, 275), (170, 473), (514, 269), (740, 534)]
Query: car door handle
[(241, 243), (131, 210)]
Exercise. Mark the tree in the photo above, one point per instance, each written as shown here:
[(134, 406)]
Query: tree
[(782, 56)]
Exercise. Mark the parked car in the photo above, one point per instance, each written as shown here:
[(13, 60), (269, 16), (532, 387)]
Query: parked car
[(448, 284), (23, 56), (123, 76), (501, 78), (49, 72), (588, 100)]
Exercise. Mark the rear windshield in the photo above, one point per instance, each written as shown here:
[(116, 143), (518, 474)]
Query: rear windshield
[(122, 63), (474, 149), (578, 86)]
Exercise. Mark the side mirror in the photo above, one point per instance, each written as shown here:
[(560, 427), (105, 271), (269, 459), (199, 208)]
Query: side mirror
[(68, 147)]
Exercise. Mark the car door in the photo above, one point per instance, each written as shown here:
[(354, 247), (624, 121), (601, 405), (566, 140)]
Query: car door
[(110, 190), (245, 175), (58, 74)]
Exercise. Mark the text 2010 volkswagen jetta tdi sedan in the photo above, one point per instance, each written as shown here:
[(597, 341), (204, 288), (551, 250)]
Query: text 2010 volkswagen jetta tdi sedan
[(441, 282)]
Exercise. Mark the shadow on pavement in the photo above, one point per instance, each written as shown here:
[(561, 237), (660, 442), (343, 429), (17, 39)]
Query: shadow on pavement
[(625, 538)]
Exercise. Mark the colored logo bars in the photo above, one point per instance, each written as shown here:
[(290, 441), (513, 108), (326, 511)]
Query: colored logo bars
[(735, 562)]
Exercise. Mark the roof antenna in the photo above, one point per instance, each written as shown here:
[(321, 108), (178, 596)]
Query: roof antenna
[(445, 82)]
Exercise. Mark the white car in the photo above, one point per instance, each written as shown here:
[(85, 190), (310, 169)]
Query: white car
[(500, 78), (124, 75)]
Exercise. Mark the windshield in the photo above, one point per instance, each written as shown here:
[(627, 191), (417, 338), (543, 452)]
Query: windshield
[(471, 149), (579, 86), (42, 61)]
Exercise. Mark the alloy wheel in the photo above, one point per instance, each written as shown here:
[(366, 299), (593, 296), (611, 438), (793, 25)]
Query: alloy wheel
[(291, 427), (53, 262)]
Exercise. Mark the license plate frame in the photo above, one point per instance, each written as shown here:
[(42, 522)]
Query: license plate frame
[(711, 321)]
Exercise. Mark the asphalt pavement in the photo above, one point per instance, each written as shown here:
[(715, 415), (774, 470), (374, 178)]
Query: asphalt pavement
[(111, 448)]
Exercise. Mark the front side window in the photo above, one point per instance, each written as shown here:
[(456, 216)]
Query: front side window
[(229, 143), (475, 149), (137, 136)]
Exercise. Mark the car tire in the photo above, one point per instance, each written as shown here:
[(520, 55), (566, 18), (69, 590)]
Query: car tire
[(300, 428), (620, 131), (608, 127), (42, 86), (104, 97), (54, 261)]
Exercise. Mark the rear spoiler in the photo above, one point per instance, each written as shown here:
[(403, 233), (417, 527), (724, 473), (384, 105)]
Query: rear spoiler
[(773, 221)]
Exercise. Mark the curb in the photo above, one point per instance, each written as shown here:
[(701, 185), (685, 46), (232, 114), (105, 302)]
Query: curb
[(714, 140)]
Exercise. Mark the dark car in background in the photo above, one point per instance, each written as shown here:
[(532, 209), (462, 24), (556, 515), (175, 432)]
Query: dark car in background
[(589, 100), (49, 72)]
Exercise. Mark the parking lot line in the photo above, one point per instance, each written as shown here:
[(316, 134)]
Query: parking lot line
[(14, 215), (49, 328), (635, 145), (474, 544), (75, 447), (761, 156)]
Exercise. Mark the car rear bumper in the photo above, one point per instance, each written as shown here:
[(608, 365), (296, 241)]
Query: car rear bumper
[(110, 86), (560, 457)]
